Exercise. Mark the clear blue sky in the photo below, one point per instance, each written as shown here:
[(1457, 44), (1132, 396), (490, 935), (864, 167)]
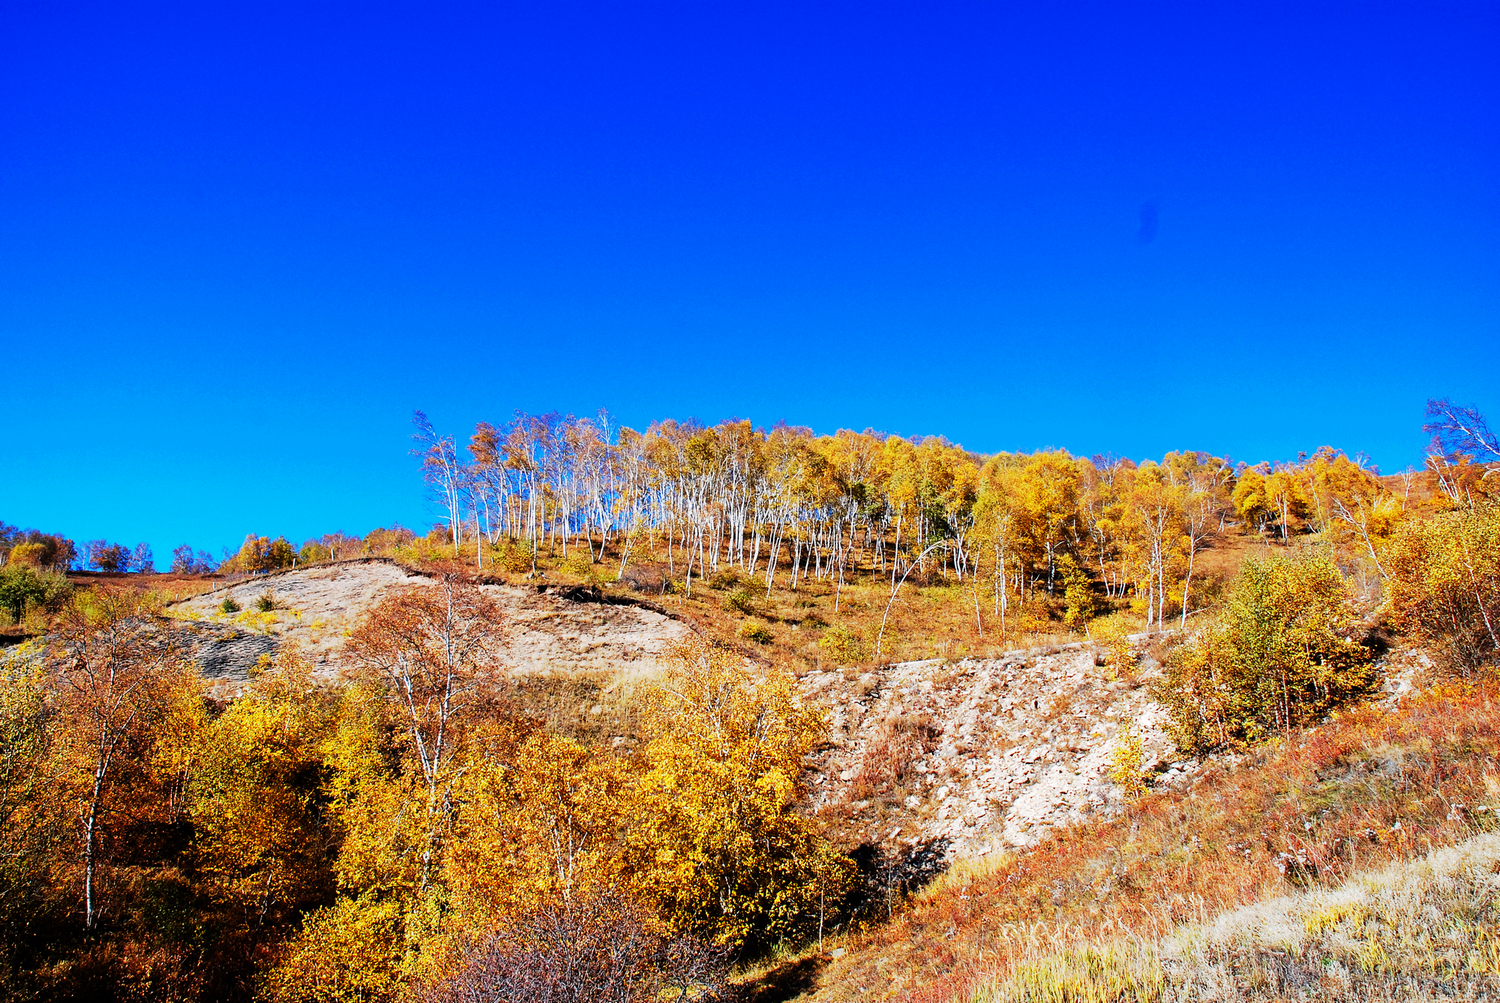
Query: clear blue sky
[(240, 243)]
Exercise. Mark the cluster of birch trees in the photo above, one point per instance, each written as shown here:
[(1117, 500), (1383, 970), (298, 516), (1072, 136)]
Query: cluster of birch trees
[(785, 505)]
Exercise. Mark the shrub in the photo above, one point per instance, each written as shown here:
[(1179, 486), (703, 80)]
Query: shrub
[(715, 844), (1112, 634), (229, 605), (723, 579), (1445, 583), (757, 632), (266, 601), (843, 645), (588, 948), (1125, 762), (23, 588), (1280, 655), (580, 562), (741, 600), (511, 555)]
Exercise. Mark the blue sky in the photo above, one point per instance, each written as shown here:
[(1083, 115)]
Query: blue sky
[(240, 243)]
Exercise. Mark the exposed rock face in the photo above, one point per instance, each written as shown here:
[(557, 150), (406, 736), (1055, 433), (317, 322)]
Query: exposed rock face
[(981, 754), (548, 629)]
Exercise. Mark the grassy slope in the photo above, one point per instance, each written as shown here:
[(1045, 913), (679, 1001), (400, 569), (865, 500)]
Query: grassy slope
[(1367, 789)]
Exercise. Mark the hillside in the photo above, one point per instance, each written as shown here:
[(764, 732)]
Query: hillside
[(776, 716), (1178, 897), (969, 757), (549, 628)]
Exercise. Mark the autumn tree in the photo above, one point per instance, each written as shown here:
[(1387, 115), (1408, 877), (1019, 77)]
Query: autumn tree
[(1249, 497), (395, 757), (426, 645), (119, 675), (1356, 501), (443, 471), (1046, 498), (1463, 452), (1203, 497), (1445, 583), (36, 549), (714, 841), (260, 844), (185, 562), (102, 555), (33, 815), (260, 555), (540, 820), (1460, 430)]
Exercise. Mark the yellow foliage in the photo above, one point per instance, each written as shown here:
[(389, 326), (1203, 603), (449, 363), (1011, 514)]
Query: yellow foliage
[(256, 829), (843, 645), (28, 554), (713, 839), (349, 952), (539, 820), (370, 804), (1125, 762)]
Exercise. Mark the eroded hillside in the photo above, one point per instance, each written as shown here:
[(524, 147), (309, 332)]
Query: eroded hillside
[(980, 754), (549, 628)]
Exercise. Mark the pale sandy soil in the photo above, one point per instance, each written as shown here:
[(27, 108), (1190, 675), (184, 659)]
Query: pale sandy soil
[(317, 608), (1018, 745)]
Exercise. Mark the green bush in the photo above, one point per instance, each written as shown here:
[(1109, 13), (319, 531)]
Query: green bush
[(724, 579), (23, 588), (757, 632), (843, 645), (1284, 651), (229, 605), (741, 600)]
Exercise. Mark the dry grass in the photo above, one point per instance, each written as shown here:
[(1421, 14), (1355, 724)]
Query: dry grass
[(1367, 789), (933, 619), (1412, 929)]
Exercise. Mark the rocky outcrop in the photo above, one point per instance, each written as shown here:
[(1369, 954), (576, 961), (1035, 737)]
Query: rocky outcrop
[(547, 629), (980, 754)]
